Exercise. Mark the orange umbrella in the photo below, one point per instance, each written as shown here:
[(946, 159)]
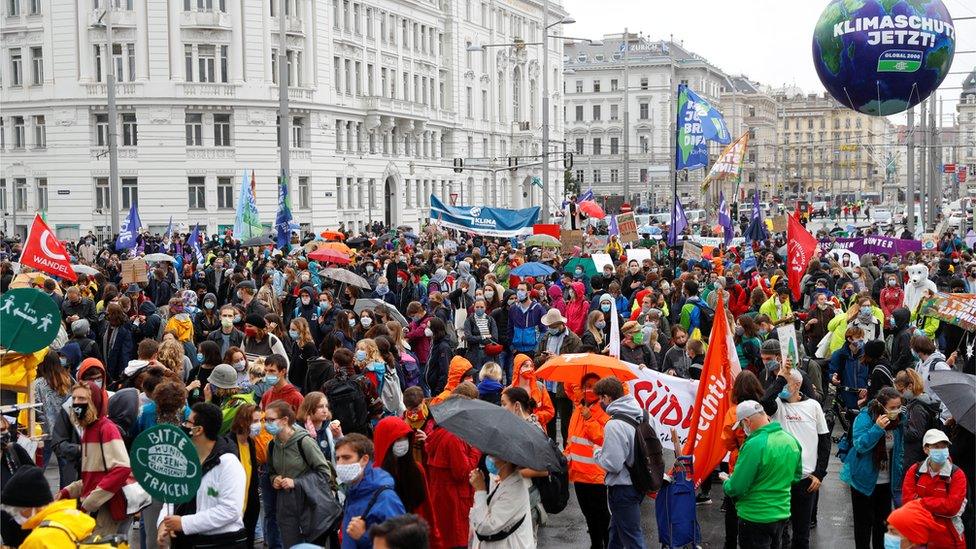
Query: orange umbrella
[(333, 235), (591, 209), (337, 246), (327, 255), (571, 368)]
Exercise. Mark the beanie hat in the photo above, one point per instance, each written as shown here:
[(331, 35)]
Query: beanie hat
[(874, 349), (256, 320), (771, 347), (27, 488)]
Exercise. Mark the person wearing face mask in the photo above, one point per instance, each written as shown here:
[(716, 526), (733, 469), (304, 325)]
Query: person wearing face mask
[(303, 351), (634, 349), (207, 320), (921, 413), (587, 477), (891, 297), (248, 434), (479, 330), (594, 334), (675, 358), (382, 291), (296, 461), (371, 495), (218, 283), (633, 280), (769, 464), (525, 321), (100, 487), (818, 318), (874, 467), (29, 518), (847, 370), (307, 307), (940, 486), (227, 336), (929, 359), (276, 375), (394, 442), (501, 515), (213, 517), (258, 341)]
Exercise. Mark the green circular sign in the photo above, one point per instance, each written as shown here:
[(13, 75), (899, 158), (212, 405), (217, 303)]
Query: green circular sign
[(29, 320), (165, 463)]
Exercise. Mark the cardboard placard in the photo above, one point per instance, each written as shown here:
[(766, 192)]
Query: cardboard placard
[(599, 260), (134, 271), (956, 309), (780, 223), (788, 345), (570, 240), (627, 225), (691, 251)]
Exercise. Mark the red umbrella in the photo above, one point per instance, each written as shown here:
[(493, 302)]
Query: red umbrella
[(329, 255), (592, 209)]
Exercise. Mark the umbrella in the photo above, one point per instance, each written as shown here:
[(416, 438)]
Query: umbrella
[(85, 269), (312, 245), (257, 242), (405, 228), (533, 268), (329, 256), (543, 241), (358, 242), (156, 258), (333, 235), (346, 277), (589, 267), (649, 229), (411, 236), (337, 246), (958, 392), (498, 432), (363, 304), (572, 367), (591, 209)]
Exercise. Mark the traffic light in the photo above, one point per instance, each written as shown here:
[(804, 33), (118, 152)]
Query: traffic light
[(567, 160), (458, 165)]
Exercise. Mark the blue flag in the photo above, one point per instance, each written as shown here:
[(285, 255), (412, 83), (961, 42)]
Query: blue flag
[(725, 218), (129, 230), (247, 222), (283, 222), (679, 222), (698, 122), (195, 243), (757, 228), (613, 230), (169, 229), (588, 195)]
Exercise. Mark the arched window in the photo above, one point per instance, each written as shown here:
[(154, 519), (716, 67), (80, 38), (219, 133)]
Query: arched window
[(517, 94), (533, 100)]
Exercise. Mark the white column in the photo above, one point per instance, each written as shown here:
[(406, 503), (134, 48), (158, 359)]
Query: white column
[(142, 42), (175, 44), (237, 44), (85, 45), (340, 135), (310, 55)]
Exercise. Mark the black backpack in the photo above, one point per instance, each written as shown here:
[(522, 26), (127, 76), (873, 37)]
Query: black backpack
[(647, 472), (554, 489), (706, 317), (348, 403)]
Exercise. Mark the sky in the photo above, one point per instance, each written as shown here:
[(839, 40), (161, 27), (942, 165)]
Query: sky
[(768, 40)]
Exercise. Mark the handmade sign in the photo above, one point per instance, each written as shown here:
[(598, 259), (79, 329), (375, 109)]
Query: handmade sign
[(29, 320), (956, 309), (165, 463), (134, 271), (627, 225), (691, 251), (668, 400), (788, 346), (570, 240)]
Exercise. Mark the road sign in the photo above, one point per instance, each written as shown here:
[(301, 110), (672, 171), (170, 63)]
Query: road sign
[(30, 320), (165, 463), (949, 168), (454, 197)]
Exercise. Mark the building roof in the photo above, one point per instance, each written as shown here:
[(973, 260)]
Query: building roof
[(641, 50), (969, 85)]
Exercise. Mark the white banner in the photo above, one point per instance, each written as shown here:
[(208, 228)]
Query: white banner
[(668, 399)]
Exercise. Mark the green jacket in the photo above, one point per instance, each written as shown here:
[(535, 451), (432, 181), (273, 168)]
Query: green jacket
[(768, 466), (771, 309), (286, 459)]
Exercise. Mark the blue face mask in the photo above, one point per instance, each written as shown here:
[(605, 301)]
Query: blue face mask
[(785, 394), (601, 324), (490, 465), (293, 334), (938, 456), (892, 541), (605, 308), (521, 295), (272, 428), (579, 273), (272, 380), (772, 365), (360, 355), (199, 358), (479, 312)]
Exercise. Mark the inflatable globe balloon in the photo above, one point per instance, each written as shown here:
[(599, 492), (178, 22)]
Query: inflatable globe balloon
[(882, 57)]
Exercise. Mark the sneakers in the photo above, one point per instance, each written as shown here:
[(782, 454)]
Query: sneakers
[(702, 499)]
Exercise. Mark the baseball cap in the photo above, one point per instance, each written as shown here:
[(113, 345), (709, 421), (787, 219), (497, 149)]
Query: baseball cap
[(746, 409), (934, 436), (223, 376)]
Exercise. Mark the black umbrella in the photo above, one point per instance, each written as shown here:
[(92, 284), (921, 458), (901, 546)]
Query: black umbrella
[(498, 432), (957, 390), (358, 242), (257, 241)]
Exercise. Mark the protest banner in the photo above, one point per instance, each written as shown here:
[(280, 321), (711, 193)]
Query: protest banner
[(600, 260), (668, 400), (570, 240), (872, 244), (627, 225), (638, 255), (30, 320), (780, 223), (956, 309), (691, 251)]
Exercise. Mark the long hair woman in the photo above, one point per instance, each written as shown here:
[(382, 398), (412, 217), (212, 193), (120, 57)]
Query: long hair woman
[(394, 442)]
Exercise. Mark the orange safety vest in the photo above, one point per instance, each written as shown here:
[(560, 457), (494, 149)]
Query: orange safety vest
[(579, 450)]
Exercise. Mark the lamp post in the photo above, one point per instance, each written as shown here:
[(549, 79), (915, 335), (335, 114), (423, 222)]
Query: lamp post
[(105, 21)]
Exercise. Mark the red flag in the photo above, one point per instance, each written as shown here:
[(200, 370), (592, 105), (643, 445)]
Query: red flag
[(714, 398), (800, 248), (45, 252)]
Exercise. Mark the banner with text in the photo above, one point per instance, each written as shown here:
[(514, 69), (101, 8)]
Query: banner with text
[(872, 244), (667, 399), (484, 220)]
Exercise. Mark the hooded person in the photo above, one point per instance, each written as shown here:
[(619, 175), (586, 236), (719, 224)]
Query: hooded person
[(465, 276), (67, 432), (438, 282), (556, 298), (207, 320), (523, 375), (450, 461), (33, 520), (577, 308), (123, 409), (459, 366), (148, 323), (901, 348), (180, 321), (104, 461), (307, 307)]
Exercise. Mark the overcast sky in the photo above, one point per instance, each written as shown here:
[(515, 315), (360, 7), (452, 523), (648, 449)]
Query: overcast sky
[(768, 40)]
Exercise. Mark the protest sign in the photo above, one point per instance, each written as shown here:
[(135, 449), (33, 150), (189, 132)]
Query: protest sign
[(872, 244), (638, 255), (956, 309), (930, 242), (165, 463), (691, 251), (627, 226), (780, 223), (788, 346), (600, 260), (134, 271), (570, 240), (30, 320), (668, 400)]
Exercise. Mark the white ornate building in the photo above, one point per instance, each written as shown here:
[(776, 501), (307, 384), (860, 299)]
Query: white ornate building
[(383, 95)]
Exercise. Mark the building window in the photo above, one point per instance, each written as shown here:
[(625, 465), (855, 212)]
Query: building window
[(19, 137), (37, 65), (579, 145), (305, 191), (338, 192), (13, 8), (101, 130), (20, 194), (222, 130), (645, 111), (643, 175), (197, 192), (597, 145), (613, 84), (613, 112), (16, 66), (596, 86), (101, 193), (41, 187), (3, 195), (614, 175), (40, 132), (596, 112), (194, 130), (614, 145), (130, 137), (225, 193), (579, 113), (596, 177), (206, 63), (130, 192), (579, 86), (579, 176), (484, 105), (469, 103), (643, 83), (298, 132)]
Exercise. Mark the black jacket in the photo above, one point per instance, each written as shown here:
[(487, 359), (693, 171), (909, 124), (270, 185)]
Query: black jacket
[(438, 365), (901, 351)]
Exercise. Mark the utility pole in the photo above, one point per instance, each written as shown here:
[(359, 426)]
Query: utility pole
[(924, 160), (626, 173), (545, 111), (910, 196), (113, 120), (283, 119)]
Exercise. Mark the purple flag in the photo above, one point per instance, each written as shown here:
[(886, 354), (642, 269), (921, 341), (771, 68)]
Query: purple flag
[(725, 218), (679, 222), (613, 230)]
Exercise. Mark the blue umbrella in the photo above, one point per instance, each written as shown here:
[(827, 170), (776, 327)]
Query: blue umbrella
[(533, 268), (649, 229)]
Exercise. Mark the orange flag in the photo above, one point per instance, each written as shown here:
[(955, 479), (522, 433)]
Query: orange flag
[(714, 398)]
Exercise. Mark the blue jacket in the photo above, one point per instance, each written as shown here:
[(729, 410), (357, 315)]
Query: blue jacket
[(387, 505), (525, 321), (859, 470), (853, 373)]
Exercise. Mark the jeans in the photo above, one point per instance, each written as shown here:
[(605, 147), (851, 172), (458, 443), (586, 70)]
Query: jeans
[(801, 509), (757, 535), (625, 517), (592, 500), (870, 516), (269, 502), (504, 359)]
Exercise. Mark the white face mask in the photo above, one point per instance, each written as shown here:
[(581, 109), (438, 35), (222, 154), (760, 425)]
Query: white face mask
[(401, 447), (348, 472)]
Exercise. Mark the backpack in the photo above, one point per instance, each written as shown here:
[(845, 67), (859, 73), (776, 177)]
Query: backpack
[(947, 480), (411, 369), (706, 317), (554, 489), (348, 402), (229, 410), (390, 393), (647, 472), (933, 410)]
